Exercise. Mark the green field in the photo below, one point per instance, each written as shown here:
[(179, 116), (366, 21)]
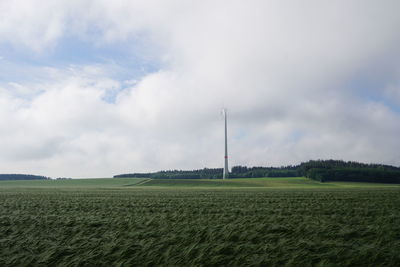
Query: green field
[(121, 183), (276, 183), (71, 183), (258, 222)]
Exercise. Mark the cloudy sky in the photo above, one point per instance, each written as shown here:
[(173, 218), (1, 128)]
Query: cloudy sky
[(97, 88)]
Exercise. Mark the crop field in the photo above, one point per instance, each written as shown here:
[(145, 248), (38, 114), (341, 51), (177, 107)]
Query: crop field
[(257, 222)]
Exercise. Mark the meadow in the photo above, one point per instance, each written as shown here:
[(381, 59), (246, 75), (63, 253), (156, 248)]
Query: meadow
[(257, 222)]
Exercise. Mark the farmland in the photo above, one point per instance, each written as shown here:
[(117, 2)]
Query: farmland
[(292, 221)]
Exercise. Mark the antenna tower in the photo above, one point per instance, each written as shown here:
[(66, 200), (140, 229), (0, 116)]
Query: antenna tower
[(226, 170)]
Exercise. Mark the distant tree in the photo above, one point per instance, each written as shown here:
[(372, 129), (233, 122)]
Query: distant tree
[(22, 177), (321, 170)]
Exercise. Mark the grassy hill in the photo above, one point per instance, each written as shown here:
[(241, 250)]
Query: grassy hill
[(129, 183), (288, 182), (72, 183)]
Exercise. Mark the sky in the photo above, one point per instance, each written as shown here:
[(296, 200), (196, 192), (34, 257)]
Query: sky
[(98, 88)]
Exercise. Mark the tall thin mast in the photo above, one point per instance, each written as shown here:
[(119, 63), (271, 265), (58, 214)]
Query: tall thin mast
[(226, 170)]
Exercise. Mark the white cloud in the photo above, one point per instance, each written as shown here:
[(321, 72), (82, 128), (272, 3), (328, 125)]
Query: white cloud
[(285, 70)]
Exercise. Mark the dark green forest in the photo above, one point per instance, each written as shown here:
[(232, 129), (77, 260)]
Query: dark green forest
[(320, 170), (22, 177)]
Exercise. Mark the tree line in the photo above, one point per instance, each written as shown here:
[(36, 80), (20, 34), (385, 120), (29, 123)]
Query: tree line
[(22, 177), (320, 170), (216, 173)]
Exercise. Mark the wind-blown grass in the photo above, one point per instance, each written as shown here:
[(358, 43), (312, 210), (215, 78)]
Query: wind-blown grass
[(115, 222)]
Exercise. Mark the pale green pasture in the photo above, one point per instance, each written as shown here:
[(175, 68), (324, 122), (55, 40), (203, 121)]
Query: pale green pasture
[(143, 183), (72, 183)]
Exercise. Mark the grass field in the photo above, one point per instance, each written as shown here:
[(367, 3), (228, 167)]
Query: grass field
[(292, 221), (284, 183), (71, 183)]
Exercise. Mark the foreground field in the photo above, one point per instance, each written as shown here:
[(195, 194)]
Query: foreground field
[(134, 223)]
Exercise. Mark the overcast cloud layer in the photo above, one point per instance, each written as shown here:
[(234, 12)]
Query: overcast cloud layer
[(97, 88)]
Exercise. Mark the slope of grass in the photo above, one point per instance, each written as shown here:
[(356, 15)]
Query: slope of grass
[(245, 182), (72, 183), (285, 183), (201, 183), (124, 183)]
